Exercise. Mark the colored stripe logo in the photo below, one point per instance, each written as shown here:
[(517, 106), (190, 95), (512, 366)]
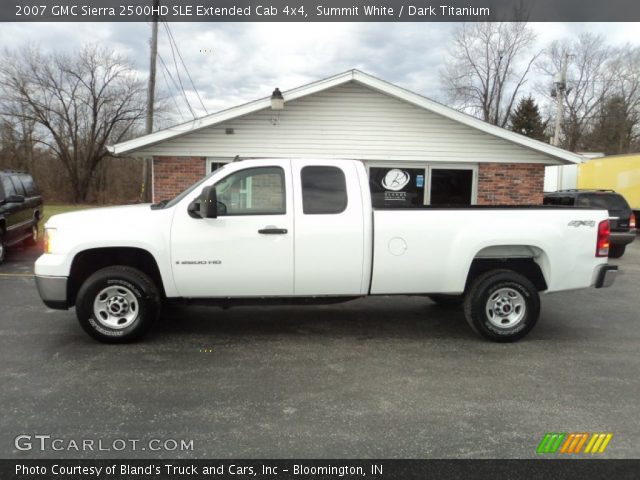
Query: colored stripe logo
[(574, 443)]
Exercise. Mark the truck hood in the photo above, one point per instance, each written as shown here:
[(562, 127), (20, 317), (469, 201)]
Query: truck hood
[(101, 218)]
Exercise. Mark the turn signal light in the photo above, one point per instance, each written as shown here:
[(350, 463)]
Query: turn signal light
[(604, 232), (49, 234), (632, 221)]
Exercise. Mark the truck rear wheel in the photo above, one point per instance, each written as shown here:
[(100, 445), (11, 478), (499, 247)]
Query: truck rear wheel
[(117, 304), (502, 306)]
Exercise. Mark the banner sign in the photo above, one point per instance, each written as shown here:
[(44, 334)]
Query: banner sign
[(315, 469), (319, 11)]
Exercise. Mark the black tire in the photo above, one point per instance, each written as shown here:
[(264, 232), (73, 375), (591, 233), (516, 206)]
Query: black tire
[(134, 293), (34, 237), (502, 306), (3, 247), (616, 251), (447, 300)]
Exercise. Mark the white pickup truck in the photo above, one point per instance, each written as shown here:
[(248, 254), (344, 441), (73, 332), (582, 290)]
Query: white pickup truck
[(299, 230)]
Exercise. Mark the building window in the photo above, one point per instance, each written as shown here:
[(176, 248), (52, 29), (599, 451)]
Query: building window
[(254, 191), (442, 185), (324, 190), (214, 163), (397, 187), (450, 187)]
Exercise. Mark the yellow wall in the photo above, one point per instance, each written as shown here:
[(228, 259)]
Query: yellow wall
[(619, 172)]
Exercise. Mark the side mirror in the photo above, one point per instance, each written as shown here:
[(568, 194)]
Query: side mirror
[(209, 203), (15, 199), (205, 206)]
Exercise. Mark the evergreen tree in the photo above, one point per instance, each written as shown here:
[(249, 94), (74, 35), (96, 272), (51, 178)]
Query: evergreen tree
[(526, 120)]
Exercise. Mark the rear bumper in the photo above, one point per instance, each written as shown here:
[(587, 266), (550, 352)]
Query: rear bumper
[(53, 291), (622, 238), (606, 276)]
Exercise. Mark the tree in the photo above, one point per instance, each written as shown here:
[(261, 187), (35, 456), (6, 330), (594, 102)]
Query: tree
[(80, 103), (526, 120), (590, 80), (613, 131), (488, 67)]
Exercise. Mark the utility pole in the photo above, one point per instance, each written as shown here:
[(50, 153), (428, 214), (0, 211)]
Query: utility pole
[(151, 90), (561, 88)]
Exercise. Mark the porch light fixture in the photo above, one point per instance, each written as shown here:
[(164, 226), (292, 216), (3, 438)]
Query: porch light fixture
[(277, 100)]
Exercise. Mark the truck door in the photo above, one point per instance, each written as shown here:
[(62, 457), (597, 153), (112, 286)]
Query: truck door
[(248, 250), (329, 233)]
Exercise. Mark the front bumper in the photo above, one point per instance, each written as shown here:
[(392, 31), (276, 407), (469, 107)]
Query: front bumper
[(622, 238), (53, 291), (606, 276)]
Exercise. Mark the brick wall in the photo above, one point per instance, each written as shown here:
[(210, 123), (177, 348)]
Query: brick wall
[(498, 183), (510, 183), (172, 175)]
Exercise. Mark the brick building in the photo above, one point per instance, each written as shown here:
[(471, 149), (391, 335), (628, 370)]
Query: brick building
[(446, 157)]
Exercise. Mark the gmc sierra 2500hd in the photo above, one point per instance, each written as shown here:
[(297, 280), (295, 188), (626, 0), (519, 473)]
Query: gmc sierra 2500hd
[(299, 230)]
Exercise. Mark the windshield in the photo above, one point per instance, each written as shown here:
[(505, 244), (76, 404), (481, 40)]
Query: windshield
[(174, 201)]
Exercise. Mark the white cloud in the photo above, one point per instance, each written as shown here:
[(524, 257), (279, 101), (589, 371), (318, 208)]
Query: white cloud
[(233, 63)]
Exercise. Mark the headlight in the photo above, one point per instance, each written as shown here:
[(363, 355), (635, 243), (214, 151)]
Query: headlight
[(49, 240)]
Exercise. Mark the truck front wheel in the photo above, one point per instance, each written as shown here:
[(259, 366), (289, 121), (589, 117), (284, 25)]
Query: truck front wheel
[(502, 306), (117, 304)]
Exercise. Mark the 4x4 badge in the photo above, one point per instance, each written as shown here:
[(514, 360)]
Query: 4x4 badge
[(580, 223)]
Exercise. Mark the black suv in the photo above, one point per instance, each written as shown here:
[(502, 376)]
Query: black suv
[(20, 210), (621, 219)]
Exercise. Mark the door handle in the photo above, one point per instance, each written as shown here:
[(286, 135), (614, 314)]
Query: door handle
[(273, 231)]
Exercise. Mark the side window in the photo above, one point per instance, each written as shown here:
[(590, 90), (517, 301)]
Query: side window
[(29, 185), (324, 190), (17, 184), (254, 191), (7, 184)]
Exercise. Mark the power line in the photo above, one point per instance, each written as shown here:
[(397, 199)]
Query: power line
[(166, 81), (184, 65), (175, 63), (175, 84)]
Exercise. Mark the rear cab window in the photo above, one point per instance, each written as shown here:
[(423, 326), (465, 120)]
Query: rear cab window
[(324, 190), (606, 201)]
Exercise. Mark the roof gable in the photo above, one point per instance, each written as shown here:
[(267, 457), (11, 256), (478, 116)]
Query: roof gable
[(356, 76)]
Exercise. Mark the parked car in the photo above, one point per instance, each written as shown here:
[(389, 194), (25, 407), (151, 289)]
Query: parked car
[(20, 210), (299, 230), (621, 218)]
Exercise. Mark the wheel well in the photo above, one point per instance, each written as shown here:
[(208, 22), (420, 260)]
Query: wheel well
[(524, 266), (90, 261)]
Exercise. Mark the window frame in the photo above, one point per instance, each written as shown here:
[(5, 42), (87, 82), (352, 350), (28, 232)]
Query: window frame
[(428, 167), (251, 214)]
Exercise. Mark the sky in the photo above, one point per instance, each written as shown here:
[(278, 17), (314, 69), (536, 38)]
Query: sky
[(233, 63)]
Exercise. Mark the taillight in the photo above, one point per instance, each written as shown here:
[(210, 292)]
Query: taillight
[(632, 221), (602, 246)]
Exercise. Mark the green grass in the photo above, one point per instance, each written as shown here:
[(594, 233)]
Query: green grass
[(51, 210)]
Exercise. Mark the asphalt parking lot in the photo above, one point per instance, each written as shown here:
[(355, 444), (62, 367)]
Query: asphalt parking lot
[(384, 377)]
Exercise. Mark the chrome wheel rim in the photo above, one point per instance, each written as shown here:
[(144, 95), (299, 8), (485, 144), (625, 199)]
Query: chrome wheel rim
[(506, 308), (116, 307)]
